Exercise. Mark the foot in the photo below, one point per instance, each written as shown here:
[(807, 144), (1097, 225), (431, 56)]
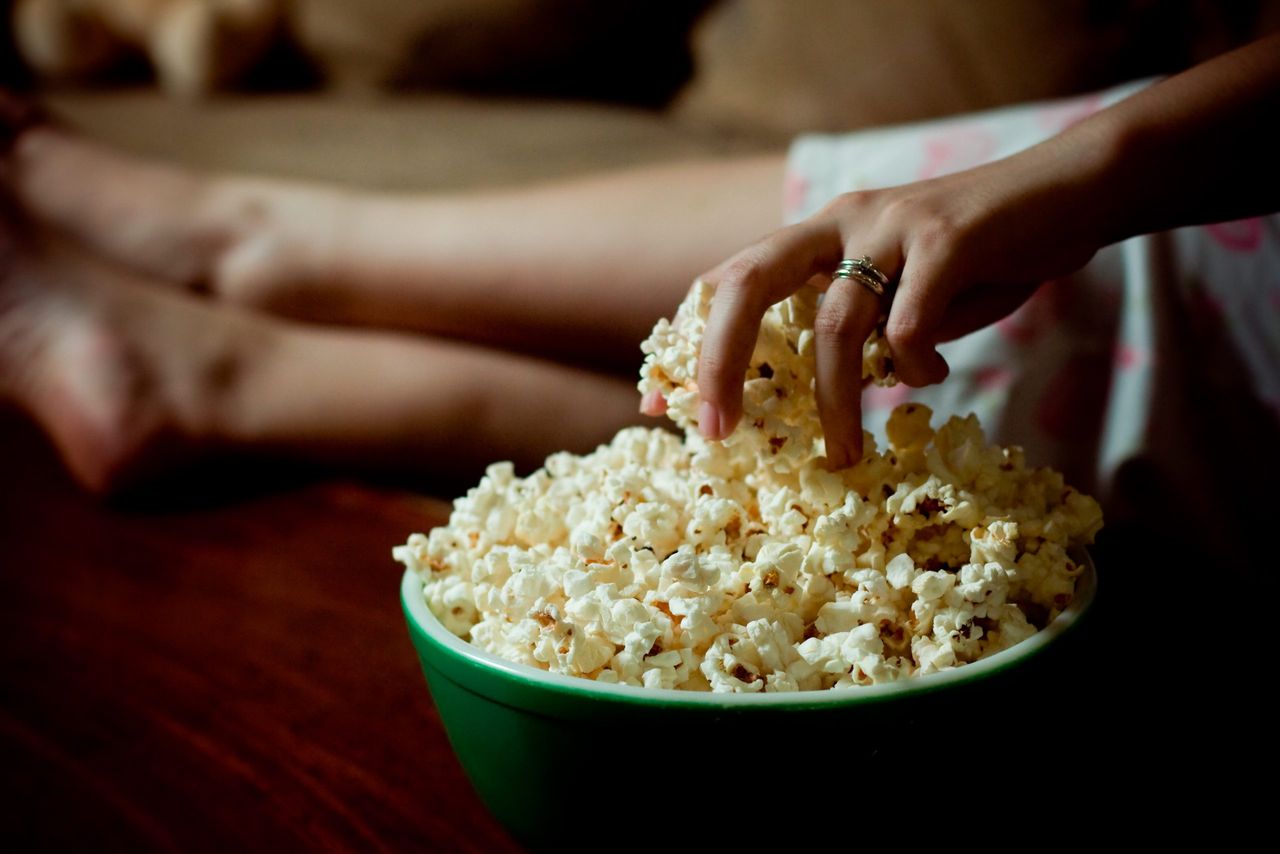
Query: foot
[(123, 376), (253, 242)]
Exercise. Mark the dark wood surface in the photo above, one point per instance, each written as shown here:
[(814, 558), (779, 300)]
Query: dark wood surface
[(232, 675), (232, 672)]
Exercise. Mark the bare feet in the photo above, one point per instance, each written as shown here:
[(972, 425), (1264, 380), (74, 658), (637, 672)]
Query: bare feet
[(122, 376), (128, 377), (250, 241)]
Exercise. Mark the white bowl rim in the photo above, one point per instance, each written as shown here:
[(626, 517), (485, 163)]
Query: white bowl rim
[(1086, 589)]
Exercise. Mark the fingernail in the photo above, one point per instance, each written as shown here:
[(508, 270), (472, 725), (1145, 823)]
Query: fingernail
[(653, 403), (708, 420), (936, 372)]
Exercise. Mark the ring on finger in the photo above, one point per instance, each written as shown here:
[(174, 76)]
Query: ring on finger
[(865, 273)]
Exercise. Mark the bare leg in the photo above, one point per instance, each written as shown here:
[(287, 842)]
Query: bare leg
[(578, 269), (126, 376)]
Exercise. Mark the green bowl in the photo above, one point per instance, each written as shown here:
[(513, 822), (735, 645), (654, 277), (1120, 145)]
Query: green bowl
[(559, 760)]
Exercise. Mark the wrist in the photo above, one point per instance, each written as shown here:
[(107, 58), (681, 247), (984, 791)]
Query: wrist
[(1113, 187), (1057, 195)]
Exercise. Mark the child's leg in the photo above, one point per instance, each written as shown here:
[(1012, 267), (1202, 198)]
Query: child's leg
[(578, 268), (127, 377)]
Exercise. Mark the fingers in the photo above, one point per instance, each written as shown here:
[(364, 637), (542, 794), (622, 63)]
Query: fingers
[(848, 314), (919, 305), (749, 284), (653, 403)]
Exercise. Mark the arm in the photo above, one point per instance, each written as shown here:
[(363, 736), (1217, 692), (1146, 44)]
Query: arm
[(970, 247), (1199, 147)]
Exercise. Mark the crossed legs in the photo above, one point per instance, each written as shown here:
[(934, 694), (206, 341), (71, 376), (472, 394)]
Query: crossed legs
[(149, 313)]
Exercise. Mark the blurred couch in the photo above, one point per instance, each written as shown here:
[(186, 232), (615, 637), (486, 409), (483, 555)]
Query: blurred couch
[(439, 94)]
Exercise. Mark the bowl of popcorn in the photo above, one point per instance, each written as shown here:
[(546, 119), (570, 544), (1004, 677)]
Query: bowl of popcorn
[(695, 631)]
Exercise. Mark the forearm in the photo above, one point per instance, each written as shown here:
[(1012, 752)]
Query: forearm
[(1196, 148)]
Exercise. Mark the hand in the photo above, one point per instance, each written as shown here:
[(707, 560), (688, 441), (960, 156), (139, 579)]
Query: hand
[(965, 249)]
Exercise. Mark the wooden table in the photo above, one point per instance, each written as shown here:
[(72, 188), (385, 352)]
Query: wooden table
[(235, 674), (232, 675)]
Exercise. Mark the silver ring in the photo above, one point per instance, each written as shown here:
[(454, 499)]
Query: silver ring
[(865, 273)]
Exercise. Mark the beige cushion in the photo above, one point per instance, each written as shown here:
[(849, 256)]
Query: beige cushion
[(843, 64), (399, 143), (363, 43), (630, 51)]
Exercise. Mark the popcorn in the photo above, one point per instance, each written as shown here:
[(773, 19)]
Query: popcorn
[(780, 429), (745, 565)]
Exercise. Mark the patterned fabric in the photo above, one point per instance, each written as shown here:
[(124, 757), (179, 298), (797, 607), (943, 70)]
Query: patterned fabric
[(1163, 350)]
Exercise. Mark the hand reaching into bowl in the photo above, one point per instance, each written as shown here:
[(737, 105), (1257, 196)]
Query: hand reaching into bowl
[(966, 249)]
